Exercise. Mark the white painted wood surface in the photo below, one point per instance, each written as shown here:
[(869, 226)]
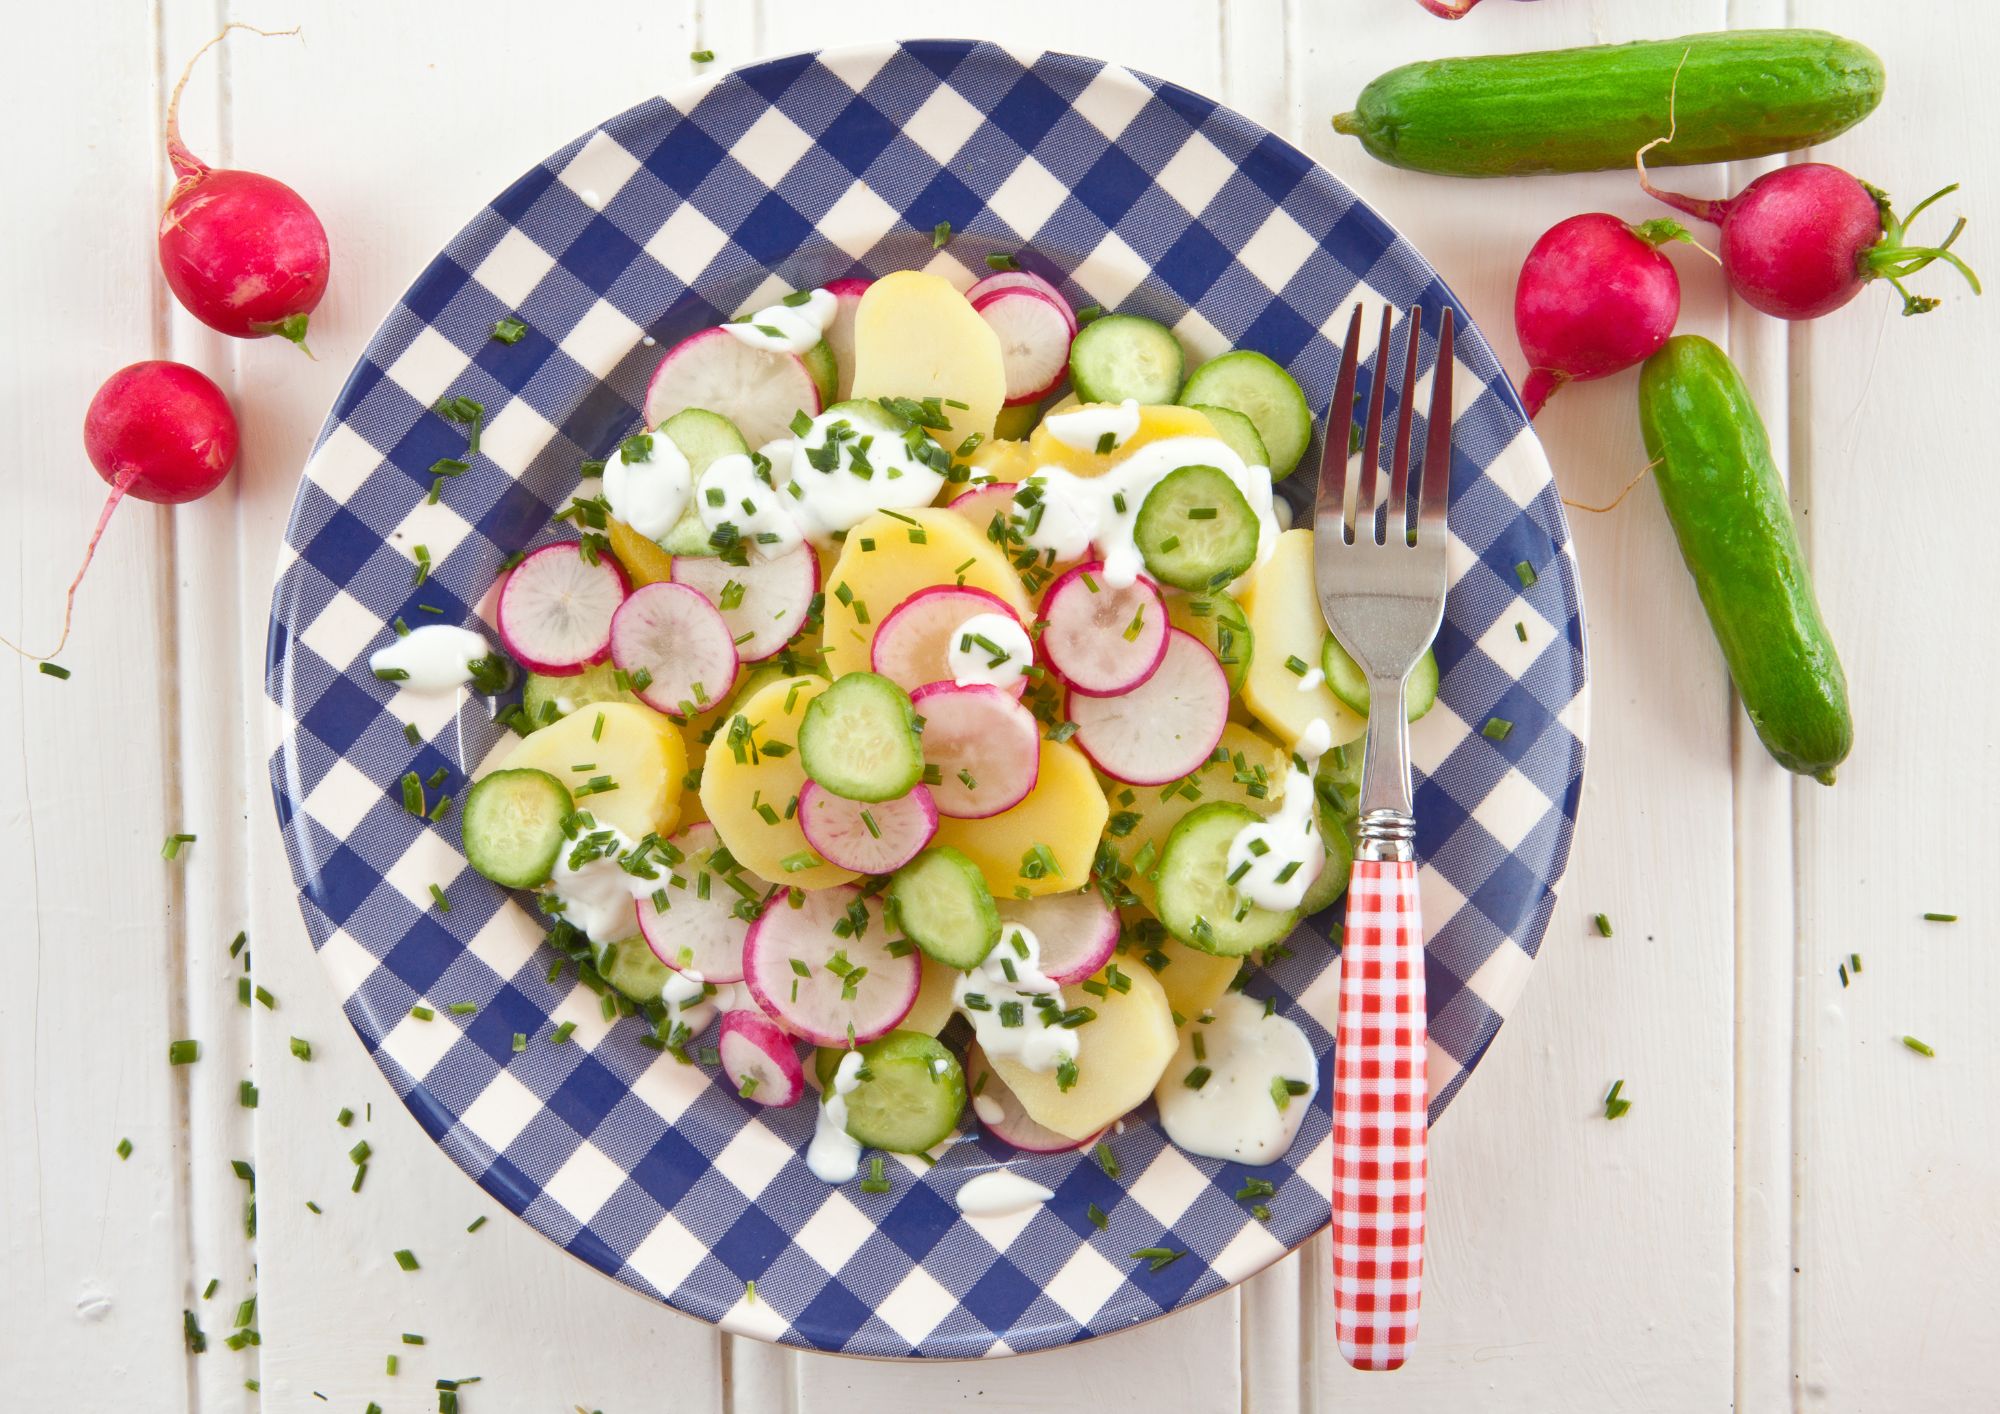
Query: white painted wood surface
[(1797, 1212)]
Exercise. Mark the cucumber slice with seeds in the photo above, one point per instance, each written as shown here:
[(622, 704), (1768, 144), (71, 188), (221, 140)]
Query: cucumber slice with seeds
[(1123, 356), (859, 739), (512, 823), (819, 362), (630, 966), (1197, 902), (546, 699), (703, 438), (1221, 625), (1195, 530), (1247, 382), (1347, 682), (942, 904), (911, 1093), (1236, 432)]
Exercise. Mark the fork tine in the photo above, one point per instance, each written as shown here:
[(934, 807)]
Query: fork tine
[(1330, 505), (1437, 444), (1371, 437), (1399, 527)]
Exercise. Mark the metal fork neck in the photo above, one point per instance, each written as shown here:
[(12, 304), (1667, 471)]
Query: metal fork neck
[(1387, 828)]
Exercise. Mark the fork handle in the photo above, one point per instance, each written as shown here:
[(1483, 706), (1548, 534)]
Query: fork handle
[(1379, 1119)]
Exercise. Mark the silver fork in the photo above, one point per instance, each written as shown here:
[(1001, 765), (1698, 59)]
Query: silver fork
[(1379, 566)]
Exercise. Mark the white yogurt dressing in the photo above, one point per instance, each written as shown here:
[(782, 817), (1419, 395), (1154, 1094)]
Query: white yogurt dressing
[(432, 658), (1311, 678), (997, 1193), (598, 895), (989, 1110), (834, 1156), (1083, 429), (1286, 840), (732, 493), (1082, 512), (1001, 665), (1235, 1115), (788, 328), (1036, 1043), (651, 493), (828, 503)]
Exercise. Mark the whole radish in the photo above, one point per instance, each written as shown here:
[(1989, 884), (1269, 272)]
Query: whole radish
[(157, 430), (1802, 241), (1449, 9), (241, 251), (1595, 296)]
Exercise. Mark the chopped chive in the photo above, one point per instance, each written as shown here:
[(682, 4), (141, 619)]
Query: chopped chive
[(246, 1095), (1603, 926), (1107, 1161), (422, 1013), (1520, 631), (520, 1042), (940, 233), (406, 1259), (477, 1223), (1854, 961), (53, 670), (302, 1048), (171, 849), (999, 261), (1097, 1217), (125, 1152), (183, 1052), (344, 1118), (509, 330), (1614, 1104), (702, 56), (1920, 1047), (1843, 974), (409, 1339), (562, 1033), (1197, 1077), (361, 1153), (443, 903), (1157, 1258), (1940, 918), (1525, 572), (1496, 729)]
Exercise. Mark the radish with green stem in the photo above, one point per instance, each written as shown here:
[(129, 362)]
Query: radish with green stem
[(1595, 296)]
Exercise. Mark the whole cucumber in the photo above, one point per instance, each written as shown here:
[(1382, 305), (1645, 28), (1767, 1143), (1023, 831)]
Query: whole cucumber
[(1745, 93), (1712, 463)]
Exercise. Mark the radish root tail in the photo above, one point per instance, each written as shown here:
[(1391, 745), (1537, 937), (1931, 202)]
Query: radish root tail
[(1619, 499), (118, 490), (1709, 211), (188, 168)]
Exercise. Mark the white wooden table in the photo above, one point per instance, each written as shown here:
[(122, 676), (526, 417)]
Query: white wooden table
[(1797, 1211)]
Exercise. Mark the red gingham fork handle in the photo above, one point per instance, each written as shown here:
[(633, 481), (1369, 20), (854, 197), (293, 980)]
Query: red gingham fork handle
[(1379, 1098)]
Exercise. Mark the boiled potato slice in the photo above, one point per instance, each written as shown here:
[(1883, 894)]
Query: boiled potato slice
[(1195, 980), (1121, 1057), (916, 336), (643, 561), (639, 749), (732, 789), (999, 461), (693, 812), (869, 584), (1156, 424), (1065, 811), (933, 1006), (1216, 780), (1283, 609)]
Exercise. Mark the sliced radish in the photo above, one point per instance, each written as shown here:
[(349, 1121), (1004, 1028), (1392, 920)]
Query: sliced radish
[(772, 598), (981, 503), (556, 608), (826, 1004), (760, 1059), (1077, 932), (1034, 335), (1163, 729), (840, 333), (912, 644), (984, 744), (673, 640), (698, 931), (1000, 1111), (1103, 640), (869, 839), (1023, 280), (715, 370)]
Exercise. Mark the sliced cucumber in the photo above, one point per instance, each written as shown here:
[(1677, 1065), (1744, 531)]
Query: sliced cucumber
[(1247, 382), (703, 437), (859, 739), (629, 965), (512, 823), (942, 904), (819, 362), (911, 1093), (1347, 682), (1236, 432), (1337, 783), (546, 700), (1123, 356), (1197, 902), (1221, 625), (1195, 530), (1013, 424), (1332, 880)]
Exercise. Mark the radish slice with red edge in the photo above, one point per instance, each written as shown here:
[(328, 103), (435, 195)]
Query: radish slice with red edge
[(982, 503), (768, 603), (699, 931), (912, 645), (1023, 280), (760, 1060), (669, 638), (1077, 932), (1034, 334), (1000, 1112), (853, 987), (1163, 729), (985, 744), (1105, 641), (840, 333), (869, 839), (555, 610), (757, 390)]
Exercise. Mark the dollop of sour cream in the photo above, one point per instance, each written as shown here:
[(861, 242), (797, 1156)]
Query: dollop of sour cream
[(1235, 1113), (871, 469), (988, 996), (834, 1156), (1276, 859), (599, 895), (647, 483), (790, 326), (1083, 429), (732, 493), (997, 1193), (431, 658), (989, 649)]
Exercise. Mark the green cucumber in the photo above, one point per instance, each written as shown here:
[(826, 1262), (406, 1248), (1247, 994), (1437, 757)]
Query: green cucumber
[(1735, 95), (1196, 900), (819, 362), (1332, 881), (1346, 681), (1235, 431), (512, 824), (1249, 383), (630, 966), (1221, 625), (1712, 462), (545, 699), (1124, 356), (911, 1092), (859, 739), (941, 902), (702, 437), (1195, 530)]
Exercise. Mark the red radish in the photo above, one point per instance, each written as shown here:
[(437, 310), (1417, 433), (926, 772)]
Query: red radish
[(1001, 1113), (556, 607), (156, 430), (241, 251), (769, 602), (1595, 296), (1103, 640), (757, 390), (1164, 728), (1034, 332), (1023, 280), (912, 644), (840, 333), (760, 1060), (853, 989), (985, 745), (1801, 241), (699, 930), (869, 839), (1449, 9), (1077, 932), (674, 641), (982, 503)]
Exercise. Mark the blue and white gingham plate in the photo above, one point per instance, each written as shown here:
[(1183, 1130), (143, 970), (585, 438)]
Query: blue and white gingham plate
[(1132, 194)]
